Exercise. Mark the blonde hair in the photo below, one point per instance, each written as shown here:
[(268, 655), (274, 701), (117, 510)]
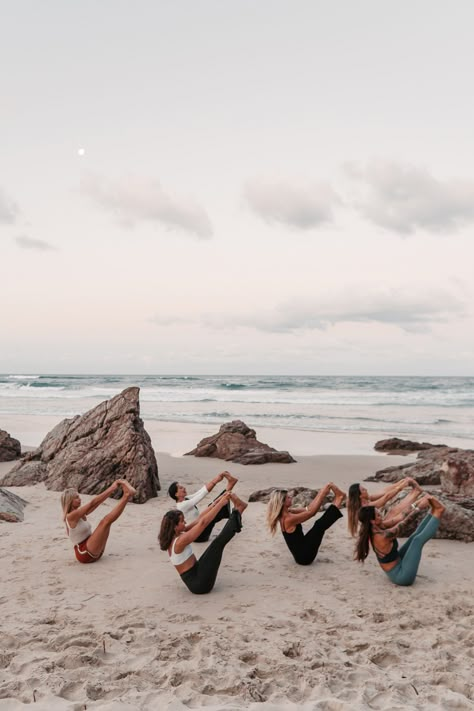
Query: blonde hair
[(66, 500), (275, 507)]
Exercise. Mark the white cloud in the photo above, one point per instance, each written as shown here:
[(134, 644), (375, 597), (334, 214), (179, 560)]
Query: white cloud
[(29, 243), (8, 208), (405, 198), (297, 206), (135, 200)]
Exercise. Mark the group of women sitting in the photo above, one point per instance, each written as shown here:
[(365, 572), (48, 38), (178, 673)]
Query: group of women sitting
[(365, 522)]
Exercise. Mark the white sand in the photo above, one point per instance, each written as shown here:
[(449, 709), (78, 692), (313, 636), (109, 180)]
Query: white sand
[(125, 634)]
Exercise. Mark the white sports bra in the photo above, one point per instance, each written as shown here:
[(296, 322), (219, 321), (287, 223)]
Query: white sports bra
[(180, 558)]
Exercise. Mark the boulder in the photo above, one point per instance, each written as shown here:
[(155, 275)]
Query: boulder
[(457, 522), (301, 495), (457, 473), (395, 445), (90, 451), (11, 506), (238, 443), (426, 469), (10, 448)]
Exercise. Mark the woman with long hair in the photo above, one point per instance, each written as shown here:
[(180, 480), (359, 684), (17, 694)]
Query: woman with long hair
[(358, 496), (303, 547), (400, 564), (89, 545), (176, 537)]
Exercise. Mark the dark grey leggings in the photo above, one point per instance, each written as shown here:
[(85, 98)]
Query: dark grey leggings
[(200, 579)]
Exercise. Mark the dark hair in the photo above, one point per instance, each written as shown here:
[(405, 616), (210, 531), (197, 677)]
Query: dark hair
[(366, 516), (168, 524), (353, 506), (172, 489)]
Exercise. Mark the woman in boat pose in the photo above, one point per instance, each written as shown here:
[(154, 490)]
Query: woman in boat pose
[(358, 496), (89, 545), (199, 575), (400, 564), (303, 547)]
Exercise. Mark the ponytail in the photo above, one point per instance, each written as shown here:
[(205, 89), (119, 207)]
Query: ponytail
[(366, 516)]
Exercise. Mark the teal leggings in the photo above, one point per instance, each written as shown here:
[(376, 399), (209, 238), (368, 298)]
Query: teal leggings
[(404, 573)]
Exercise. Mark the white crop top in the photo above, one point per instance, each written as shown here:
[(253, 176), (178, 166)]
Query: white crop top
[(80, 532), (179, 558)]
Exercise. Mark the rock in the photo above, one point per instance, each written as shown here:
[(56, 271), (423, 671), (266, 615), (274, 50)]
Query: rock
[(10, 448), (425, 470), (457, 473), (457, 522), (238, 443), (11, 506), (395, 445), (301, 495), (90, 451)]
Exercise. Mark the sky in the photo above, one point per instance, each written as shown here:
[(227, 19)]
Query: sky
[(237, 187)]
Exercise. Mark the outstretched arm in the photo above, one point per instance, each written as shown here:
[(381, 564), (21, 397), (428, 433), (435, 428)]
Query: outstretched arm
[(380, 499), (404, 517), (296, 516), (193, 531), (398, 511), (74, 516), (212, 483)]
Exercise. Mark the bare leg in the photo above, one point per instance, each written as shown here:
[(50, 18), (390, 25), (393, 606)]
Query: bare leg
[(238, 503), (231, 480), (97, 540)]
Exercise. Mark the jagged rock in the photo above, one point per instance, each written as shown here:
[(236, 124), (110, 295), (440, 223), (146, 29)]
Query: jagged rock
[(395, 445), (238, 443), (301, 495), (10, 448), (11, 506), (457, 473), (90, 451), (425, 470), (457, 522)]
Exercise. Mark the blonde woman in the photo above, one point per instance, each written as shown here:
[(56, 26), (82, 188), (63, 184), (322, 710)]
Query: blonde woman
[(303, 547), (89, 545)]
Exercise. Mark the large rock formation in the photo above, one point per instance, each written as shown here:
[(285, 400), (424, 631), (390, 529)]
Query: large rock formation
[(457, 473), (11, 506), (90, 451), (457, 522), (426, 469), (238, 443), (10, 448), (395, 445)]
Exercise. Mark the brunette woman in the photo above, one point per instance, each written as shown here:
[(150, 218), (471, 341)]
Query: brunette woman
[(176, 538), (359, 496), (400, 564)]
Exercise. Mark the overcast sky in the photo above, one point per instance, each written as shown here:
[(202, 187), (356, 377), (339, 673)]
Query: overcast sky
[(235, 186)]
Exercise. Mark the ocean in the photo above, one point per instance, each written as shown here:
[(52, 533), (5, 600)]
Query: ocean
[(434, 409)]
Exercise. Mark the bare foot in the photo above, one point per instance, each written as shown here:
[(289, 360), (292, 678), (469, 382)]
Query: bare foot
[(127, 488), (339, 496), (437, 508), (231, 480), (238, 503)]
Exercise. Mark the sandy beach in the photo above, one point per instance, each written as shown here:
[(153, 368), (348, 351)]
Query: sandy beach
[(126, 634)]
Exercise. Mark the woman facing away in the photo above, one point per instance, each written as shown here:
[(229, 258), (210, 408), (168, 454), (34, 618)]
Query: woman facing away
[(176, 537), (400, 564), (358, 496), (89, 545), (303, 547)]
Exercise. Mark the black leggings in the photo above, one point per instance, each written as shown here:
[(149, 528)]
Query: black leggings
[(200, 579), (304, 547), (222, 514)]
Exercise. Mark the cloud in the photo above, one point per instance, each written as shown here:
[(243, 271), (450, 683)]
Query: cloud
[(300, 207), (404, 198), (138, 200), (8, 208), (29, 243), (401, 307)]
